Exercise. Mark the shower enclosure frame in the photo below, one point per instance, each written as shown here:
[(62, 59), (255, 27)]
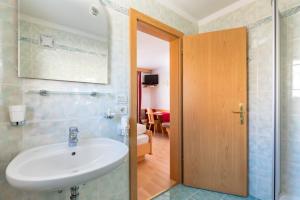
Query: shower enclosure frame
[(276, 101)]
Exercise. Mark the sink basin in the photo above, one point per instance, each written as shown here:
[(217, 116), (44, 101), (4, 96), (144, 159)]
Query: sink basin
[(57, 166)]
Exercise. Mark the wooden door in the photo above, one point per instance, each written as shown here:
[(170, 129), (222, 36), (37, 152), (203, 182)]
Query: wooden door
[(215, 150)]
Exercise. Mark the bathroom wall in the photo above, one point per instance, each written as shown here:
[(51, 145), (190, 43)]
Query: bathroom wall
[(256, 16), (48, 118), (290, 98)]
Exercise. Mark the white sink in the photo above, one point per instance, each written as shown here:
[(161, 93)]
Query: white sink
[(55, 167)]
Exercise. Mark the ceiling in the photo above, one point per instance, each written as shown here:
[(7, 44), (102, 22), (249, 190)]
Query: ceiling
[(152, 52), (197, 10)]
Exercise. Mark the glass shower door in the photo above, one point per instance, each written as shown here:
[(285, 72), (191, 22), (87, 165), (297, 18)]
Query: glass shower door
[(289, 32)]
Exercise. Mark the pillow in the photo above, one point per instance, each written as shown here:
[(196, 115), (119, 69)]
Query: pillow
[(141, 129)]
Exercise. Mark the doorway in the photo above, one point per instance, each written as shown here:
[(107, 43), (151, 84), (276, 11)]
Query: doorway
[(153, 114), (145, 24), (215, 140)]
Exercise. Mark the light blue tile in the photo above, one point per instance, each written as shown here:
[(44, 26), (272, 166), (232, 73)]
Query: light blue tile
[(179, 192), (207, 195), (232, 197), (187, 193)]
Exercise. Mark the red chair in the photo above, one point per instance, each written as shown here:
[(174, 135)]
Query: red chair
[(165, 117)]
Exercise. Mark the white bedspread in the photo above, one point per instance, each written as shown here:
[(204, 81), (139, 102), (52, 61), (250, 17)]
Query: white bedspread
[(141, 129), (142, 139)]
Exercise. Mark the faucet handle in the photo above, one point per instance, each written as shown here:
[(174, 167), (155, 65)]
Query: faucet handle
[(73, 130), (73, 136)]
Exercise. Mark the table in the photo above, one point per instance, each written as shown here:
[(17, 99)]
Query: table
[(158, 117)]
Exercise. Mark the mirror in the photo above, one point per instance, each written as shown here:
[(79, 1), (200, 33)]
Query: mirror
[(64, 40)]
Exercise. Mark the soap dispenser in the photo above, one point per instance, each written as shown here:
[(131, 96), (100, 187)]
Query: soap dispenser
[(17, 114)]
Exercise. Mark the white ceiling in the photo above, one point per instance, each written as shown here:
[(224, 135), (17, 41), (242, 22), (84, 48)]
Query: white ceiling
[(152, 52), (199, 10), (74, 14)]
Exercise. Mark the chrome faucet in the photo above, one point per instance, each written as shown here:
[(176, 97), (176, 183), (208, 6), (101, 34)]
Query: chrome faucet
[(73, 136)]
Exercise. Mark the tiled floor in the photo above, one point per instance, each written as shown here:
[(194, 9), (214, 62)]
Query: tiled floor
[(287, 196), (181, 192)]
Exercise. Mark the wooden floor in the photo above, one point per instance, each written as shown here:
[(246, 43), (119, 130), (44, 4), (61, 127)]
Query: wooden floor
[(154, 171)]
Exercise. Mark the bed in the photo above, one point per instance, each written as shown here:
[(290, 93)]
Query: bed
[(144, 142)]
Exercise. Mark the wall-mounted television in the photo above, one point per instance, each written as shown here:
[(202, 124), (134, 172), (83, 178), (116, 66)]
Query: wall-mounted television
[(150, 79)]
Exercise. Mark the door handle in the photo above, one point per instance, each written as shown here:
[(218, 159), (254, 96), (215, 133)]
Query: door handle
[(241, 112)]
